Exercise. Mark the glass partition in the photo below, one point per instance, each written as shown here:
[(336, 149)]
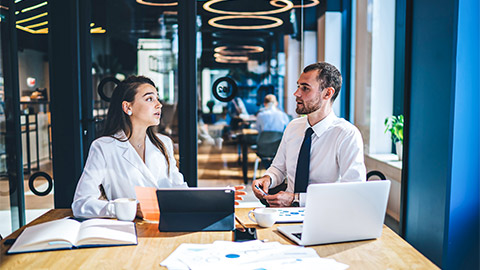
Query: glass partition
[(246, 51), (31, 24), (135, 38), (5, 209)]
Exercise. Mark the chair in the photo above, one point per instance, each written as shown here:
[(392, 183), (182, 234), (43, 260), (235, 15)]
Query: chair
[(267, 145), (376, 173)]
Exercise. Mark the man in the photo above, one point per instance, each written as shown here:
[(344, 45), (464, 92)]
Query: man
[(271, 118), (319, 148)]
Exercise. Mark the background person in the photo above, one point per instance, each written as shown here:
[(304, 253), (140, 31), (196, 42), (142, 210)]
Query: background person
[(271, 118), (336, 146)]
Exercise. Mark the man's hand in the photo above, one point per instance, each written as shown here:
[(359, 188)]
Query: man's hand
[(281, 199), (263, 183)]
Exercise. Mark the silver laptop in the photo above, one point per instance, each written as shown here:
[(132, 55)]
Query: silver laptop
[(341, 212)]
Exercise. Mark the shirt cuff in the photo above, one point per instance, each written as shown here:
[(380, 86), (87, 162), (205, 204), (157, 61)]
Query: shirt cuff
[(273, 176), (110, 209), (303, 199)]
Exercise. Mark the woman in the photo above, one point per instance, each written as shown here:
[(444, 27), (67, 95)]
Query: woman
[(128, 154)]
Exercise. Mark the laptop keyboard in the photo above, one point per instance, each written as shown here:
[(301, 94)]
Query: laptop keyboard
[(298, 235)]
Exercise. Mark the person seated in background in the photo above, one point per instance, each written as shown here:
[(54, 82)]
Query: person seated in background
[(238, 113), (204, 137), (238, 108), (223, 119), (128, 154), (319, 148), (271, 118)]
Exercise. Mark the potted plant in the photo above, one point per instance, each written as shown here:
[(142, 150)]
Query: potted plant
[(394, 124)]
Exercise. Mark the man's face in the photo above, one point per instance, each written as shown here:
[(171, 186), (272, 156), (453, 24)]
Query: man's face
[(308, 94)]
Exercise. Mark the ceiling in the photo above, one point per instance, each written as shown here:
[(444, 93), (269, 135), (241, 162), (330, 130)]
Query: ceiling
[(127, 20)]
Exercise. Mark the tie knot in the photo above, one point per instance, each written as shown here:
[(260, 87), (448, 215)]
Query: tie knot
[(309, 132)]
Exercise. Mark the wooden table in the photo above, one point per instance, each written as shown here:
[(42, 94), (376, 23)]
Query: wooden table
[(388, 252)]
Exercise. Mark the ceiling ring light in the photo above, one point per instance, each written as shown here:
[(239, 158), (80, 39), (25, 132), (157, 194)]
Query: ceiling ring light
[(282, 8), (233, 52), (276, 22), (143, 2), (229, 61), (230, 57), (240, 48), (312, 4)]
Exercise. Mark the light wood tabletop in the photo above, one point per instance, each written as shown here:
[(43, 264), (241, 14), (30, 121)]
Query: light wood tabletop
[(388, 252)]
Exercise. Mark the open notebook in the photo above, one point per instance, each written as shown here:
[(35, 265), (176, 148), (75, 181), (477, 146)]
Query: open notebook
[(70, 233)]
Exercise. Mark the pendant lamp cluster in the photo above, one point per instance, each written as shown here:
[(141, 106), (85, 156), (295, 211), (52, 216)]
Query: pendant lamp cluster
[(258, 15), (239, 53), (35, 19)]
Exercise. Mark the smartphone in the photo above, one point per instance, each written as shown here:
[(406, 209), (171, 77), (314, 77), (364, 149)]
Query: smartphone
[(247, 235)]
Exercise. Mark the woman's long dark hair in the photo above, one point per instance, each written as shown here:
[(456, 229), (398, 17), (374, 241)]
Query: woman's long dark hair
[(118, 120)]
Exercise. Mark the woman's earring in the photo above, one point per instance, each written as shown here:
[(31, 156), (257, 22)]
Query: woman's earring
[(129, 112)]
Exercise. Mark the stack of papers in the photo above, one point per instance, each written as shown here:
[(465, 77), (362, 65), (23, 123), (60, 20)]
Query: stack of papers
[(247, 255)]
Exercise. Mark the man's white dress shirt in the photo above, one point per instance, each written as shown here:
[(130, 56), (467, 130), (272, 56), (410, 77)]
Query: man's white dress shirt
[(271, 119), (117, 166), (336, 154)]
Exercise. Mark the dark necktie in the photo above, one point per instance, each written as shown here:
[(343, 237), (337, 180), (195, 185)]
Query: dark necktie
[(303, 163)]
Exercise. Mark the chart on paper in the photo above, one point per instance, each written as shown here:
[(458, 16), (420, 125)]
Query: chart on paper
[(291, 214)]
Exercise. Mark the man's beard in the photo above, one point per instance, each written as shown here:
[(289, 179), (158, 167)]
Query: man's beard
[(307, 109)]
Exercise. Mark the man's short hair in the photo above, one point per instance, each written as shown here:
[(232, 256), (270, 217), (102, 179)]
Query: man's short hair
[(328, 76), (270, 99)]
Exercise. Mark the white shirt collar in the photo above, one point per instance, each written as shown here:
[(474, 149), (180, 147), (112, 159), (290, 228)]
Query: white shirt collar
[(121, 139), (320, 127)]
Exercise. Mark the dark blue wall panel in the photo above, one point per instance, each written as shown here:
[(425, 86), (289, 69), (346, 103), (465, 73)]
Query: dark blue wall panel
[(462, 248), (432, 88), (442, 204)]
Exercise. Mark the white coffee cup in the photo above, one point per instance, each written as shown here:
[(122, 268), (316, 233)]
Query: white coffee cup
[(125, 208), (264, 217)]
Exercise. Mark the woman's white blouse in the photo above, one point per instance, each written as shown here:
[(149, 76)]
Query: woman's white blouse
[(118, 168)]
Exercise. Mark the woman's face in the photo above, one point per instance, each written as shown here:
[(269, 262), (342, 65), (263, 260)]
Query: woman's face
[(145, 108)]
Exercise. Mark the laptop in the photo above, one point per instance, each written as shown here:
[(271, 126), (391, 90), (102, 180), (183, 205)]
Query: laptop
[(341, 212), (196, 209)]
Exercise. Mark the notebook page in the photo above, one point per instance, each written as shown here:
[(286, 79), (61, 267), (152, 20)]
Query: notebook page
[(106, 231), (56, 232)]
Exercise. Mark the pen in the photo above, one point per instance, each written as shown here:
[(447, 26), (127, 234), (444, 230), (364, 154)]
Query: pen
[(261, 190), (241, 223)]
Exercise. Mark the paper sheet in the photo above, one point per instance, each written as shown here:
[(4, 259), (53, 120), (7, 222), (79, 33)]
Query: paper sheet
[(247, 255), (148, 202)]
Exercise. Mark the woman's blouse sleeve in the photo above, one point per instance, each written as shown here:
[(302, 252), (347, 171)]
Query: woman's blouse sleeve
[(86, 202)]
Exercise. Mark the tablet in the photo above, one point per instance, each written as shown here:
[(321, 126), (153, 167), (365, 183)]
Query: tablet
[(196, 209)]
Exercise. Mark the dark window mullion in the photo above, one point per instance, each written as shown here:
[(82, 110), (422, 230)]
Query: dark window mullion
[(13, 139)]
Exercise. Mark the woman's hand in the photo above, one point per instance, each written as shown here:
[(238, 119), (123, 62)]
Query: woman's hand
[(139, 212), (239, 194)]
